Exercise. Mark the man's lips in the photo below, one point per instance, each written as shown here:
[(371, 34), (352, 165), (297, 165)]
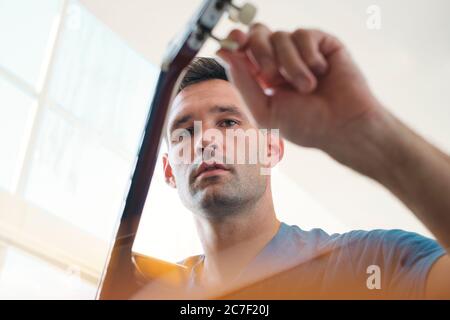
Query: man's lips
[(211, 169)]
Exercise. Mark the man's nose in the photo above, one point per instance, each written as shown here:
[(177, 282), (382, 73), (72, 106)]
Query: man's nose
[(205, 147)]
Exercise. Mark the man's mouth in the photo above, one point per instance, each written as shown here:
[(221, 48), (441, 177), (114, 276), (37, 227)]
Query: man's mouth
[(212, 169)]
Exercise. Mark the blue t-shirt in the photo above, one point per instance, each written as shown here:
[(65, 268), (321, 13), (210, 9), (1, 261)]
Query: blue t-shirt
[(358, 264)]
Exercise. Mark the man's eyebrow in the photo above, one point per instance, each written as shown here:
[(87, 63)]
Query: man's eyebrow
[(179, 121), (226, 109)]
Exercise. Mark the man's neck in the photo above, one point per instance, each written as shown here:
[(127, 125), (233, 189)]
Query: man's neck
[(233, 241)]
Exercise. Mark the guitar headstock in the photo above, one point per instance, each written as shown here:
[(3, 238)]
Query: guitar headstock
[(183, 48)]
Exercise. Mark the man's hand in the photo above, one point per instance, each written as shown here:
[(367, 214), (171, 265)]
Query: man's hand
[(318, 91)]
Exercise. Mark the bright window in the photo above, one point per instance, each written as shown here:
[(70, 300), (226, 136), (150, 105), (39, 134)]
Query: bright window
[(73, 101)]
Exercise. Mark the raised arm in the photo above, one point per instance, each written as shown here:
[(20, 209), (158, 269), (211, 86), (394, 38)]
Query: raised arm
[(320, 99)]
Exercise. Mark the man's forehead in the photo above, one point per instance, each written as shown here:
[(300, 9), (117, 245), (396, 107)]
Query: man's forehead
[(205, 95)]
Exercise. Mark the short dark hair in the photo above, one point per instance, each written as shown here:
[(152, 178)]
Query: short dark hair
[(199, 70), (202, 69)]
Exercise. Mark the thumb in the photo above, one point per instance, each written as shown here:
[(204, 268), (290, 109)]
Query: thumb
[(243, 75)]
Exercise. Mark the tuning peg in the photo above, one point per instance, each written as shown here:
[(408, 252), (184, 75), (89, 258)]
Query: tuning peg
[(244, 14)]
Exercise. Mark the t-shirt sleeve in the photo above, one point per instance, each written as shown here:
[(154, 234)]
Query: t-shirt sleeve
[(405, 259)]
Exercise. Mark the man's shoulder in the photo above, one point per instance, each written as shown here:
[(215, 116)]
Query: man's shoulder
[(361, 236), (385, 237), (393, 248), (368, 241)]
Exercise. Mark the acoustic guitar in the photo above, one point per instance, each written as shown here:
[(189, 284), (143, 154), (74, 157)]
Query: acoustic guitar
[(120, 279)]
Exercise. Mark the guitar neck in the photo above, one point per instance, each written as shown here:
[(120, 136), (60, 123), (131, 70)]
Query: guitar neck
[(118, 279)]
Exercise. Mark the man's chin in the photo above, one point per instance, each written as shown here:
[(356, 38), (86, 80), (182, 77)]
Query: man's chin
[(211, 182), (212, 188), (213, 192)]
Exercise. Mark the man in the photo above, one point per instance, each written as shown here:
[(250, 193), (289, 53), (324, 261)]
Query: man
[(306, 85)]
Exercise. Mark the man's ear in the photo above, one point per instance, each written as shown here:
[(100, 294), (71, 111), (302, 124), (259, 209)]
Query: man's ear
[(275, 147), (168, 174)]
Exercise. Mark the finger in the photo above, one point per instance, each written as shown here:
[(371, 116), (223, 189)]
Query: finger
[(243, 74), (238, 36), (290, 62), (307, 43), (261, 50), (329, 44)]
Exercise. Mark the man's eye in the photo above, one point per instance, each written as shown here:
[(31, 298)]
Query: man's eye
[(182, 134), (228, 123)]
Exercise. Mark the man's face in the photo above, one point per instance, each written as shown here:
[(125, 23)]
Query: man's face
[(211, 179)]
